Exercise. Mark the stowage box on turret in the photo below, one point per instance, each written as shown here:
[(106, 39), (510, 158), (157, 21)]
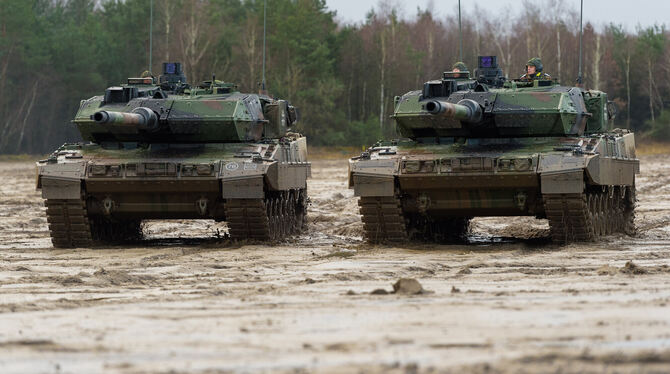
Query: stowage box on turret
[(490, 147), (166, 150)]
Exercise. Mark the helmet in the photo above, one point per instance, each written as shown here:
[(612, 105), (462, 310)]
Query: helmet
[(535, 61), (460, 66)]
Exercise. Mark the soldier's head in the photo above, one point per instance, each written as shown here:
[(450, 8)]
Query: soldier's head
[(533, 66), (459, 67)]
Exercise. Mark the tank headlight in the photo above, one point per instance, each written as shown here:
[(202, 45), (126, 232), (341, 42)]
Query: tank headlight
[(98, 170), (411, 166), (522, 164), (427, 166), (204, 169), (445, 166)]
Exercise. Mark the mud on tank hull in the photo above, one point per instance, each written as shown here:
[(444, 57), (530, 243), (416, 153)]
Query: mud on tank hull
[(96, 195), (584, 186)]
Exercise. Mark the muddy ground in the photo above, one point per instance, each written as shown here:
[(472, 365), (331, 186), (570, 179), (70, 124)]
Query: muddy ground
[(186, 301)]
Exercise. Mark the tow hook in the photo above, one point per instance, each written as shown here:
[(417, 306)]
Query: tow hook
[(520, 200), (108, 205), (423, 202), (201, 206)]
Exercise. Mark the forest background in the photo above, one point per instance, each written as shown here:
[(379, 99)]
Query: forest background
[(343, 77)]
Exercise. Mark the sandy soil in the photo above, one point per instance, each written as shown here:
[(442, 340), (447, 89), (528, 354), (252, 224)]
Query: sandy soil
[(186, 301)]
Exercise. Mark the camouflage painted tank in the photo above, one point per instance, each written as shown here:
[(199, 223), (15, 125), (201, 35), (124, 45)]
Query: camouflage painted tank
[(490, 147), (170, 151)]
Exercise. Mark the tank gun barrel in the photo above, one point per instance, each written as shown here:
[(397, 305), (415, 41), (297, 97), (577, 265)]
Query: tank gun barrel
[(466, 110), (141, 117)]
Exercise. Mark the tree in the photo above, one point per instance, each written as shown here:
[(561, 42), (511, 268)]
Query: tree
[(651, 44), (622, 54)]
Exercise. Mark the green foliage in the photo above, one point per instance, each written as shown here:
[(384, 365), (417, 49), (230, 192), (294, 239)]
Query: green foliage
[(53, 53), (651, 41), (659, 130), (355, 133)]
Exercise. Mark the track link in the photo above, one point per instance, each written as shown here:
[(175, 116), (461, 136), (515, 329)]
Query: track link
[(275, 217), (569, 217), (68, 223), (383, 219), (590, 215)]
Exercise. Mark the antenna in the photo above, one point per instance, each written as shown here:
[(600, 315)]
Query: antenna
[(460, 32), (151, 31), (581, 13), (265, 6)]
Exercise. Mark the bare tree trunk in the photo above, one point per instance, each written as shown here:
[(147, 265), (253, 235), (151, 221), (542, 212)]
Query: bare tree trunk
[(628, 90), (351, 83), (250, 39), (381, 82), (651, 93), (596, 64), (510, 50), (168, 20), (9, 129), (3, 79), (192, 47), (364, 111), (478, 38), (431, 46), (25, 117), (558, 50)]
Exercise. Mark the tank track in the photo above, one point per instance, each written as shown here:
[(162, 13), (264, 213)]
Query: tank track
[(276, 217), (383, 219), (70, 226), (68, 223), (590, 215)]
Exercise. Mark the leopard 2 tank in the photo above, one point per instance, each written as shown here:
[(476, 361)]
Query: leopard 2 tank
[(166, 150), (492, 147)]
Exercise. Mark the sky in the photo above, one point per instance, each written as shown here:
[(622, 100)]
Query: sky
[(599, 12)]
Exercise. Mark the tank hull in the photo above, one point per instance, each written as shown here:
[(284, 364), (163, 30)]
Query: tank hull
[(437, 187), (97, 195)]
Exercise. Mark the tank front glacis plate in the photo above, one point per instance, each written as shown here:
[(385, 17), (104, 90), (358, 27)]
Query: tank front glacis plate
[(492, 176), (160, 169)]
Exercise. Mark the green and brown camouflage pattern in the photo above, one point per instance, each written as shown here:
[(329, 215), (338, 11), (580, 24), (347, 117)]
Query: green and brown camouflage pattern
[(211, 113), (196, 152), (482, 150), (519, 109)]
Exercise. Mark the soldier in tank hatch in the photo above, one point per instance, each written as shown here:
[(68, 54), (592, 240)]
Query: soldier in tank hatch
[(534, 70), (459, 67)]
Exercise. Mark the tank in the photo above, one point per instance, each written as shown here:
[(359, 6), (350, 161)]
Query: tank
[(161, 149), (495, 147)]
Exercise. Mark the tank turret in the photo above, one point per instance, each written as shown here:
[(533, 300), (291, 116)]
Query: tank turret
[(173, 111), (490, 107)]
